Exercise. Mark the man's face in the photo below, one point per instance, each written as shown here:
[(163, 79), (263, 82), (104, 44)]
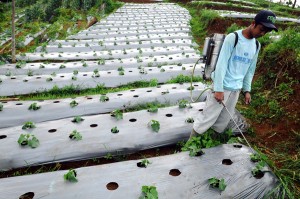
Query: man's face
[(259, 30)]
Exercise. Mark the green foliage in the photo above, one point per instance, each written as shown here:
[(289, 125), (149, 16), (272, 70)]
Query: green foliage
[(258, 168), (20, 64), (77, 119), (28, 125), (234, 27), (118, 114), (75, 135), (184, 103), (104, 98), (73, 104), (115, 130), (28, 139), (149, 192), (217, 183), (155, 125), (71, 176), (190, 120), (34, 107), (145, 162), (152, 109)]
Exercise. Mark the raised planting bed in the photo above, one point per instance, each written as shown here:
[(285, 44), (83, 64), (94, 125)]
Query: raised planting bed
[(174, 176), (16, 113)]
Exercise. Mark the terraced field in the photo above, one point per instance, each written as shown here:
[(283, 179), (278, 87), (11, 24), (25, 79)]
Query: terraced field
[(139, 42)]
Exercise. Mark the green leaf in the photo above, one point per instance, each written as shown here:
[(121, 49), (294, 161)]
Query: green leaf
[(222, 185), (183, 103), (34, 107), (118, 114), (155, 125), (28, 125), (77, 119), (115, 130), (75, 135), (153, 109), (73, 103), (71, 176), (104, 98), (22, 139), (149, 192), (33, 142), (145, 162)]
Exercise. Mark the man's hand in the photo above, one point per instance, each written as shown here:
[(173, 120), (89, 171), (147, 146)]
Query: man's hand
[(219, 96), (247, 98)]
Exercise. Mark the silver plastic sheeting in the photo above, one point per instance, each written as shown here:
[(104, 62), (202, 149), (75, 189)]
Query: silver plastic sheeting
[(98, 140), (21, 84), (190, 181), (16, 112)]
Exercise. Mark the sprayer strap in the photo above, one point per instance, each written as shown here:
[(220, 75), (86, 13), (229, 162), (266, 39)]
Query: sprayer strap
[(237, 38)]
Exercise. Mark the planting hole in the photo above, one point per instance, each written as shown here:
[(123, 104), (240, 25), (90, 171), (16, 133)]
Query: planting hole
[(174, 87), (38, 77), (18, 104), (174, 172), (139, 164), (112, 186), (28, 195), (93, 125), (200, 109), (89, 98), (169, 115), (120, 94), (227, 162), (135, 96), (13, 78), (149, 91), (3, 136), (25, 80), (55, 102), (62, 76), (84, 74), (130, 71), (259, 175), (132, 120), (132, 90), (52, 130), (237, 146), (108, 72)]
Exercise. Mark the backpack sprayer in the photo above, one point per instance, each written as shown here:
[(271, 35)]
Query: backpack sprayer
[(211, 49)]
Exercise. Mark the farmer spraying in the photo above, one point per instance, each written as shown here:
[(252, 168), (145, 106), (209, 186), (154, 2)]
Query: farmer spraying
[(233, 73)]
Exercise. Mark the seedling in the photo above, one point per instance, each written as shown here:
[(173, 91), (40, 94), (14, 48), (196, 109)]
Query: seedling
[(121, 73), (73, 104), (257, 170), (59, 45), (30, 73), (87, 45), (77, 119), (115, 130), (217, 183), (1, 106), (96, 73), (183, 68), (75, 135), (190, 88), (255, 157), (149, 192), (153, 109), (74, 78), (154, 125), (75, 72), (20, 64), (120, 68), (118, 114), (184, 104), (34, 107), (62, 66), (49, 79), (84, 64), (144, 163), (104, 98), (53, 74), (71, 176), (28, 125), (162, 70), (143, 71), (101, 61), (190, 120), (28, 139)]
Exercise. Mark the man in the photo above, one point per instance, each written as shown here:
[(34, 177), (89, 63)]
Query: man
[(234, 72)]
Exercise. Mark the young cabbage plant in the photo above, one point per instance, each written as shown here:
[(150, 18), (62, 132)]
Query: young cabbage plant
[(144, 163), (217, 183), (71, 176), (184, 104), (104, 98), (190, 120), (257, 170), (77, 119), (154, 124), (28, 125), (118, 114), (28, 139), (73, 104), (75, 135), (153, 109), (149, 192), (34, 107), (115, 130)]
